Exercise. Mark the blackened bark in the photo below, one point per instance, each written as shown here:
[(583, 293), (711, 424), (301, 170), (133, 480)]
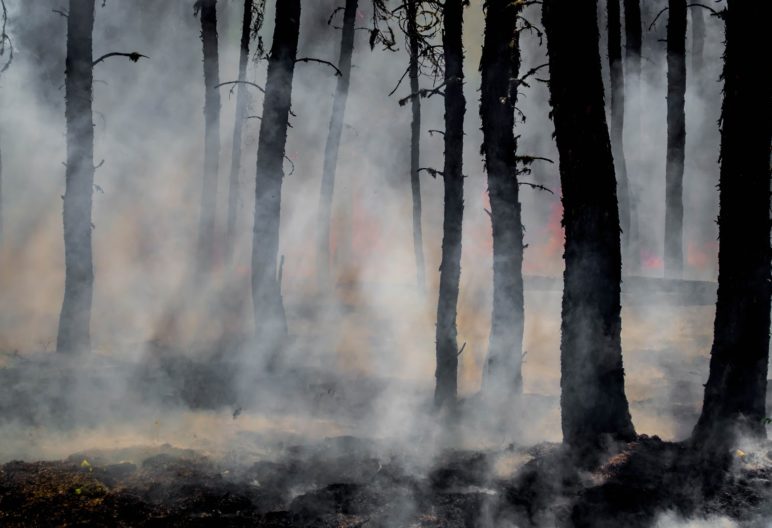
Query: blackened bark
[(238, 126), (737, 385), (499, 66), (593, 402), (75, 318), (450, 268), (270, 323), (206, 250), (616, 74), (332, 146), (632, 72), (676, 137), (415, 144)]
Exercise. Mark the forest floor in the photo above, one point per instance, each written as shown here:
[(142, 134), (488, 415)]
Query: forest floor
[(344, 482)]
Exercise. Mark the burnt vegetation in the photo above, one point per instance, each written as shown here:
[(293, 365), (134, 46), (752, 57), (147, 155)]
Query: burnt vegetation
[(304, 349)]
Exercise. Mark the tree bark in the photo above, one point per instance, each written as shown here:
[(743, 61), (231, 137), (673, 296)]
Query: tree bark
[(332, 146), (500, 66), (238, 127), (206, 249), (616, 74), (75, 317), (593, 403), (676, 137), (737, 385), (450, 268), (632, 79), (415, 145), (270, 322)]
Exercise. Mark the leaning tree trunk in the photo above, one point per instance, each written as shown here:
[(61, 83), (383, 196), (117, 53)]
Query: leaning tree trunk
[(616, 74), (238, 126), (500, 65), (593, 402), (450, 267), (737, 385), (676, 138), (332, 147), (270, 322), (206, 250), (632, 76), (75, 317), (415, 144)]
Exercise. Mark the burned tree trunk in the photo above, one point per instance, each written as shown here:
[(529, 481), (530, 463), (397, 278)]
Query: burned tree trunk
[(450, 268), (415, 144), (676, 138), (75, 317), (698, 44), (632, 79), (332, 147), (208, 12), (618, 114), (238, 126), (499, 66), (593, 402), (736, 389), (270, 323)]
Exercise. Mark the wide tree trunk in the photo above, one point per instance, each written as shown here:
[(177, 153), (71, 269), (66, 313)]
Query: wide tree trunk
[(242, 100), (332, 147), (75, 317), (616, 74), (206, 248), (500, 65), (632, 86), (270, 323), (415, 144), (450, 267), (737, 385), (676, 138), (593, 403)]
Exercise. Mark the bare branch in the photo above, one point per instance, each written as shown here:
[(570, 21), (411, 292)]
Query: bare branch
[(656, 17), (432, 172), (133, 56), (536, 186), (424, 93), (407, 70), (338, 73), (241, 82)]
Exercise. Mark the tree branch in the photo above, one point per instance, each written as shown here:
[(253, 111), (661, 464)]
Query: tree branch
[(338, 73), (133, 56), (241, 82)]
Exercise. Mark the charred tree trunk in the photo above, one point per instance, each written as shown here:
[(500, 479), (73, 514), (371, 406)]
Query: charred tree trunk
[(332, 147), (270, 322), (499, 66), (593, 402), (206, 250), (737, 385), (616, 74), (75, 318), (415, 145), (238, 126), (632, 80), (676, 138), (450, 268)]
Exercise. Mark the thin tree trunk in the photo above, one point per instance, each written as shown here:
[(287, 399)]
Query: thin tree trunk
[(332, 147), (238, 126), (736, 390), (75, 318), (593, 402), (500, 66), (676, 138), (698, 45), (415, 145), (616, 74), (270, 322), (632, 75), (450, 268), (206, 249)]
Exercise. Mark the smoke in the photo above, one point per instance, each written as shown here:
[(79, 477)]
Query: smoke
[(362, 365)]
